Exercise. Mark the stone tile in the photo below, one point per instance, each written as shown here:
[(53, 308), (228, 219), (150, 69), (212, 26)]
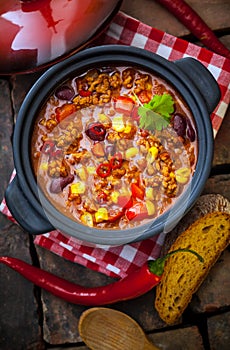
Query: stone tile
[(218, 184), (142, 310), (60, 319), (214, 294), (6, 129), (19, 316), (21, 85), (19, 319), (218, 330), (183, 338)]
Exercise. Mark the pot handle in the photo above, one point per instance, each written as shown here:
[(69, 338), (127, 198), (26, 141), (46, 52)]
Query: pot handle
[(202, 79), (23, 212)]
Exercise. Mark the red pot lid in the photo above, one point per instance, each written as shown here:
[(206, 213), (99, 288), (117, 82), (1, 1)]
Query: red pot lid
[(37, 33)]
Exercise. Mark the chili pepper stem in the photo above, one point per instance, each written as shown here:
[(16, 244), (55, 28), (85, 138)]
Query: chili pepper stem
[(157, 266)]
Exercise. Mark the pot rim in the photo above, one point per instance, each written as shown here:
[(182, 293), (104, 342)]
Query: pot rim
[(55, 76)]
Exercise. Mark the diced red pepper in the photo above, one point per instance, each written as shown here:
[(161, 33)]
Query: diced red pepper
[(137, 192), (115, 217), (116, 161), (134, 115), (125, 202), (137, 212), (145, 96), (124, 104), (103, 170), (64, 111), (85, 93)]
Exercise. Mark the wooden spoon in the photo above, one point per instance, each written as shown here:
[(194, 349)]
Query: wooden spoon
[(108, 329)]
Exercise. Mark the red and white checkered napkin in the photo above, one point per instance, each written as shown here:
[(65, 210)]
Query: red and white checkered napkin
[(120, 261)]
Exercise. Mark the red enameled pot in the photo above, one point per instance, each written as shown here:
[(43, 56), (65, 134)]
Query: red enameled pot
[(37, 33)]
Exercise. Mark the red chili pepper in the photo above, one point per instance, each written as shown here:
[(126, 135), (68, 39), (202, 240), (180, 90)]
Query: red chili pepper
[(137, 283), (137, 191), (103, 169), (85, 93), (116, 161), (48, 147), (184, 13)]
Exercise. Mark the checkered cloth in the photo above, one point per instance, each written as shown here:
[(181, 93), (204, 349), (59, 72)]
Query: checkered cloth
[(120, 261)]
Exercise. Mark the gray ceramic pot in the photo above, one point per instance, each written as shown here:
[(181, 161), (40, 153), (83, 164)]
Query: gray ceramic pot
[(193, 81)]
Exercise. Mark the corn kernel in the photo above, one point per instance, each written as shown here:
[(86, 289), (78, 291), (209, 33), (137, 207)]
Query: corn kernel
[(87, 219), (44, 166), (152, 154), (104, 119), (91, 170), (77, 188), (128, 128), (101, 215), (118, 123), (149, 192), (182, 175), (114, 196), (150, 207), (81, 173), (131, 152)]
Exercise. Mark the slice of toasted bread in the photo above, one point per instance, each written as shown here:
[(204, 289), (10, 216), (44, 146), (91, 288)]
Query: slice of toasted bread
[(207, 203), (183, 272)]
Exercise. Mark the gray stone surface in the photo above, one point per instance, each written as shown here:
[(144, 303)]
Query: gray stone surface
[(218, 330), (214, 293), (188, 338)]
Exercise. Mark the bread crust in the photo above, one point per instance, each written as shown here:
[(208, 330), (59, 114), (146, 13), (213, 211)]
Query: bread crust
[(183, 272)]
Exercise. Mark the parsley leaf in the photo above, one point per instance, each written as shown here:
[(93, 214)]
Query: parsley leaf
[(156, 114)]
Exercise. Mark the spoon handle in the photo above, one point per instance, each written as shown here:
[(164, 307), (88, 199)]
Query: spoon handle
[(149, 346)]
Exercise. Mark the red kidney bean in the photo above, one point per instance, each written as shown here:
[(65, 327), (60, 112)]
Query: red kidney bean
[(179, 125), (64, 92), (96, 131), (57, 185)]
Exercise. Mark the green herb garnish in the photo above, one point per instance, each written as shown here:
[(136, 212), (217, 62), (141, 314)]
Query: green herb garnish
[(156, 114)]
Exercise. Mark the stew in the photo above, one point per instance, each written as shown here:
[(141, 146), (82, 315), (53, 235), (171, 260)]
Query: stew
[(114, 147)]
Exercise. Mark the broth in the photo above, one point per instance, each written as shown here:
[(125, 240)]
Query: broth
[(114, 147)]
